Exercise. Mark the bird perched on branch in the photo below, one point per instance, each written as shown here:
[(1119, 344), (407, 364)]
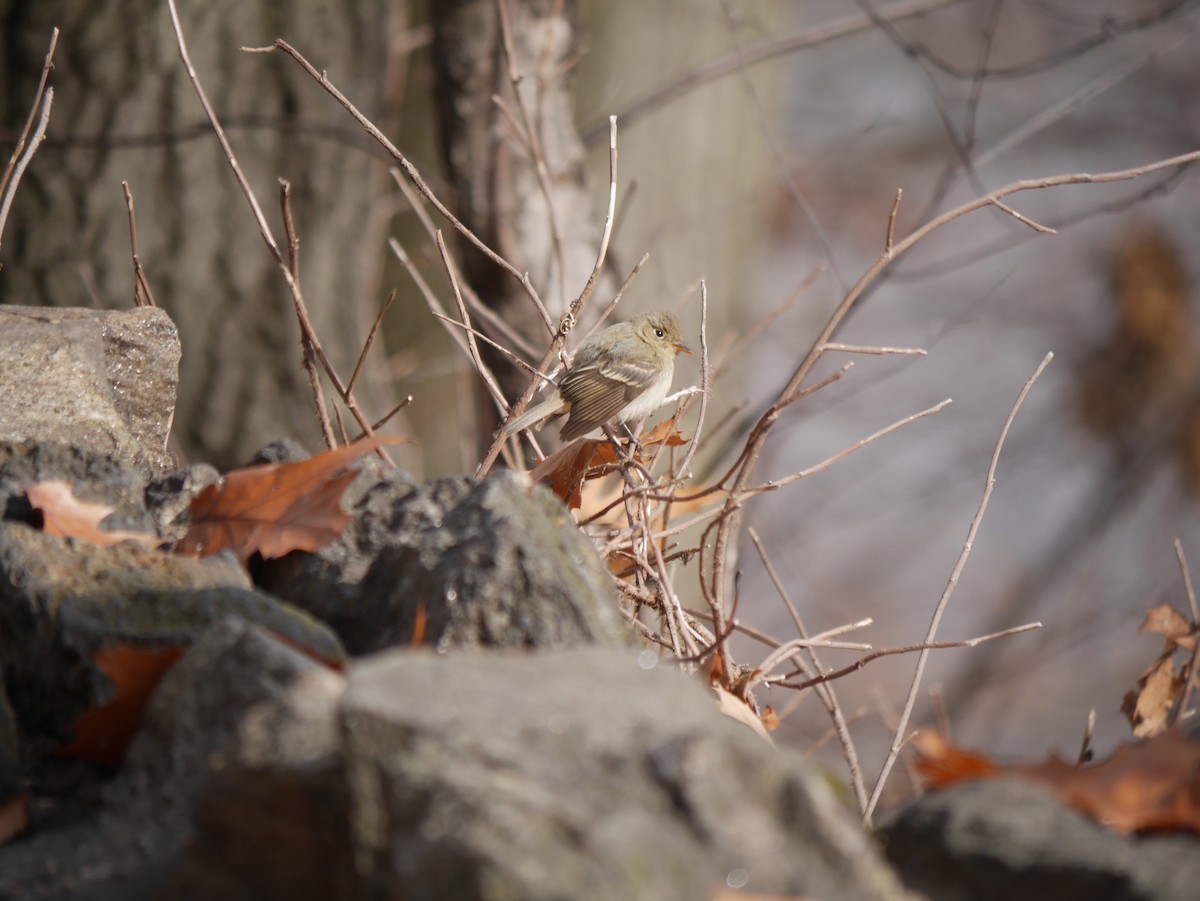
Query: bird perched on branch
[(620, 374)]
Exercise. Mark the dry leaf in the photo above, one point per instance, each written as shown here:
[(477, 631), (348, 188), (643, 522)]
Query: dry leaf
[(65, 515), (737, 709), (568, 468), (14, 816), (1169, 623), (1148, 786), (1148, 709), (276, 508), (102, 733)]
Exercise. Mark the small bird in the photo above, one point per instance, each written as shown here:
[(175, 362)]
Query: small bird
[(620, 374)]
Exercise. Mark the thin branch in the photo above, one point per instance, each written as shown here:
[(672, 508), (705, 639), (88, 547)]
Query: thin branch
[(143, 296), (265, 229), (775, 484), (402, 161), (757, 53), (477, 361), (891, 223), (825, 691), (362, 356), (960, 564), (39, 135), (309, 356), (38, 104), (923, 649), (877, 351), (1186, 573)]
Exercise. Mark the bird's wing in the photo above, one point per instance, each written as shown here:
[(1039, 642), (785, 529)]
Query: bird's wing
[(598, 393)]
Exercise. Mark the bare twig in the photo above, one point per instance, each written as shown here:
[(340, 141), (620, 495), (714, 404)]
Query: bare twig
[(39, 135), (757, 53), (362, 356), (309, 356), (921, 649), (825, 690), (960, 564), (409, 169), (39, 104), (877, 351), (891, 223), (143, 296), (1186, 574)]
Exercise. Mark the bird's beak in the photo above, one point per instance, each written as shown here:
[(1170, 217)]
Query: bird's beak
[(683, 348)]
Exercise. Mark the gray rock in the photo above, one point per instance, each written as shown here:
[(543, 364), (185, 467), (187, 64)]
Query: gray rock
[(558, 774), (96, 478), (497, 563), (62, 600), (239, 695), (100, 380), (995, 840)]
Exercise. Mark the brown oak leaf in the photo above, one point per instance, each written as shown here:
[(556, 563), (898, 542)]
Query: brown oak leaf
[(276, 508)]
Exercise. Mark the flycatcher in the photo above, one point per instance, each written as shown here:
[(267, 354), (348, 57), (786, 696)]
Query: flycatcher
[(620, 374)]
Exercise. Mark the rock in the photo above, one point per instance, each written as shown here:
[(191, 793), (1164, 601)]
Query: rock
[(97, 478), (994, 840), (65, 603), (239, 695), (100, 380), (195, 725), (169, 497), (496, 563), (556, 774)]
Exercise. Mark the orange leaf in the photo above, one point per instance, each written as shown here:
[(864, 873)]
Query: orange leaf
[(276, 508), (1149, 785), (14, 816), (102, 733), (940, 763), (566, 469), (65, 515), (569, 467)]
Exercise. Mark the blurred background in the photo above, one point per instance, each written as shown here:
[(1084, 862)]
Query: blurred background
[(762, 144)]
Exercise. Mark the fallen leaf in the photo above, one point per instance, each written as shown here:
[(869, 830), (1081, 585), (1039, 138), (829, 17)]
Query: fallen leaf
[(102, 733), (65, 515), (276, 508), (1146, 786), (14, 816)]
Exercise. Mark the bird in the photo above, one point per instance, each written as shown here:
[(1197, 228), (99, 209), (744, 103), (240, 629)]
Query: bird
[(620, 374)]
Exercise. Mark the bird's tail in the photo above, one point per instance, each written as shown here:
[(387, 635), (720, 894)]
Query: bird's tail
[(536, 414)]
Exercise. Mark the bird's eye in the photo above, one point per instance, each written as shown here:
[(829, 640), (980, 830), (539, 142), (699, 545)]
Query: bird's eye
[(658, 332)]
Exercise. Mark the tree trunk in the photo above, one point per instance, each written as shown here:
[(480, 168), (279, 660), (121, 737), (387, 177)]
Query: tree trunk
[(124, 110), (494, 174)]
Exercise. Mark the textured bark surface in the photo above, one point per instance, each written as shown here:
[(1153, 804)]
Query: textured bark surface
[(494, 175), (124, 110)]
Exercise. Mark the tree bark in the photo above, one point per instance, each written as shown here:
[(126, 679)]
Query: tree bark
[(493, 170), (124, 110)]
